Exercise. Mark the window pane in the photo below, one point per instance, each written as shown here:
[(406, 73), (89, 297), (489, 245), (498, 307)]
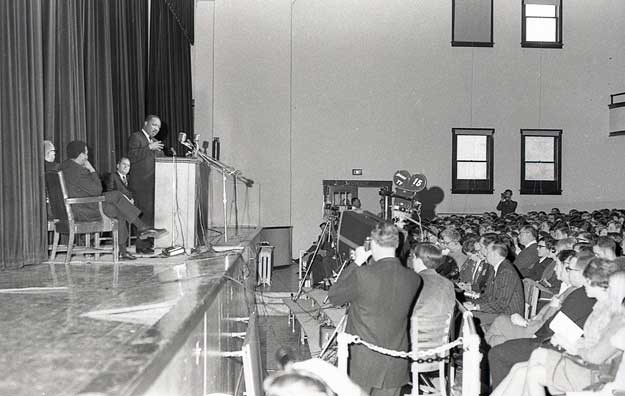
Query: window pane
[(542, 10), (540, 29), (471, 148), (472, 21), (471, 171), (539, 172), (539, 148)]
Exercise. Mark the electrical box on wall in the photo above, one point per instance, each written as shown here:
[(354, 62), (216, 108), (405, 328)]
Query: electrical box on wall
[(357, 172)]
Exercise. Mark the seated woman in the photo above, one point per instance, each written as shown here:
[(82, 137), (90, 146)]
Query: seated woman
[(572, 370)]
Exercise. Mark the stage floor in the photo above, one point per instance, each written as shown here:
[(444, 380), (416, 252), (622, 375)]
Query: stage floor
[(69, 329)]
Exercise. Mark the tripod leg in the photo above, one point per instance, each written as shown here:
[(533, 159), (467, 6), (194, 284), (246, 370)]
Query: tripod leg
[(312, 261), (339, 328), (325, 300)]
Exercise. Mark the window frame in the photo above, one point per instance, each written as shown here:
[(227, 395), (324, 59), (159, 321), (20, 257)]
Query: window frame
[(542, 187), (541, 44), (473, 186), (455, 43)]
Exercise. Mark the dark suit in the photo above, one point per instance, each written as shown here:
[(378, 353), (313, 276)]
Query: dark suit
[(381, 295), (503, 295), (82, 183), (50, 166), (502, 357), (114, 182), (527, 259), (477, 277), (141, 180), (506, 207)]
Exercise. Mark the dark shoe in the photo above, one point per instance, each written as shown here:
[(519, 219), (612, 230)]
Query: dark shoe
[(126, 256), (145, 251), (152, 233)]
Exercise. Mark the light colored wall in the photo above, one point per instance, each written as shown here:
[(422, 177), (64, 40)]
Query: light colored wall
[(308, 90)]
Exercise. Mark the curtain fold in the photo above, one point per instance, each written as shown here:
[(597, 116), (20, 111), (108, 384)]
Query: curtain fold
[(22, 213), (169, 91), (70, 69), (182, 11)]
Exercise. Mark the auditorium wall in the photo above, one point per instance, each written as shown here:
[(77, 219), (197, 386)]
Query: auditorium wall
[(301, 91)]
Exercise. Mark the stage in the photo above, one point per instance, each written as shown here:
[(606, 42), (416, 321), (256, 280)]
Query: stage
[(68, 330)]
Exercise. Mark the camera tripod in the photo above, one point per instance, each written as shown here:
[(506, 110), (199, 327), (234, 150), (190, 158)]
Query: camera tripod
[(327, 232)]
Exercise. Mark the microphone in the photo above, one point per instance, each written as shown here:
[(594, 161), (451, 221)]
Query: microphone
[(182, 137), (173, 152)]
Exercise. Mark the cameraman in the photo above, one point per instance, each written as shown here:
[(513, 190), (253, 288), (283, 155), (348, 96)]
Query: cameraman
[(506, 205)]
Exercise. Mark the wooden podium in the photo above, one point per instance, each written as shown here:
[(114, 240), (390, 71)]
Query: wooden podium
[(181, 201)]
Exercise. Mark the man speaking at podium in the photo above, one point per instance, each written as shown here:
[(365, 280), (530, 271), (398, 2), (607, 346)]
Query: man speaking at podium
[(380, 294), (142, 150)]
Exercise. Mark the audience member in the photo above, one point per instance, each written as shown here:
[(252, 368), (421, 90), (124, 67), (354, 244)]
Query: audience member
[(506, 205), (523, 336), (572, 370), (475, 271), (543, 250), (312, 377), (450, 242), (528, 258), (605, 248), (381, 295), (504, 293), (437, 296)]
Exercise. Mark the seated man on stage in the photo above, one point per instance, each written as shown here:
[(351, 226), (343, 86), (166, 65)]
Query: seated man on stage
[(118, 181), (381, 294), (82, 180)]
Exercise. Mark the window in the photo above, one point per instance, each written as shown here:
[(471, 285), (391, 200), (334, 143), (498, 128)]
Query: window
[(617, 114), (541, 23), (541, 165), (472, 23), (472, 161)]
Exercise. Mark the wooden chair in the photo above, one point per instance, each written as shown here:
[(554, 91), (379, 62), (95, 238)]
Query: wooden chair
[(65, 223), (429, 333), (531, 293)]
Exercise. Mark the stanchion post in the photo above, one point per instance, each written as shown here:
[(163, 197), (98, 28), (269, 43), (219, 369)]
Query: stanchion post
[(471, 357), (342, 339)]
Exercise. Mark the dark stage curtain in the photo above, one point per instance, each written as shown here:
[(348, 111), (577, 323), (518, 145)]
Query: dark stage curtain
[(22, 213), (70, 69), (95, 63), (169, 93)]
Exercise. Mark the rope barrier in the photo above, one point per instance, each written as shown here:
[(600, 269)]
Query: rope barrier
[(414, 355)]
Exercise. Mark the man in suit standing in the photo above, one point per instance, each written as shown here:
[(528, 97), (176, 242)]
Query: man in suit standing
[(528, 257), (142, 150), (506, 205), (504, 292), (82, 180), (380, 294), (118, 180)]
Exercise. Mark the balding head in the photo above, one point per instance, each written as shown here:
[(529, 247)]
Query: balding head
[(49, 151)]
